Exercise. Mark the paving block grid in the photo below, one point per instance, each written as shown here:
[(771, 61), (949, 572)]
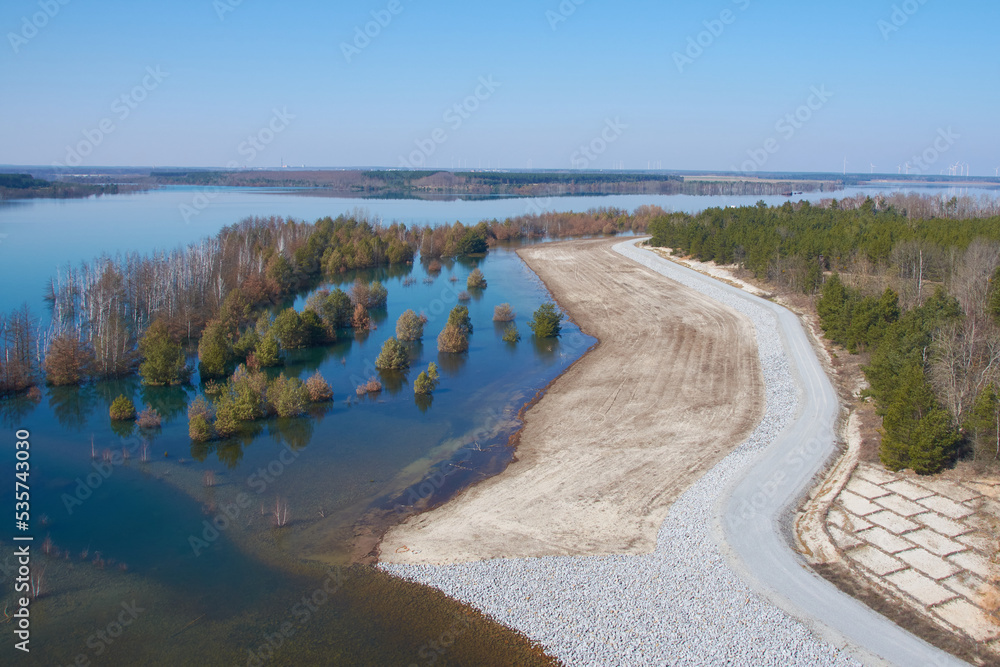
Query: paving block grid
[(932, 542)]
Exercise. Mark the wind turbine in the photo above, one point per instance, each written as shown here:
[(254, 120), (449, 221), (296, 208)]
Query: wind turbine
[(907, 165), (872, 169), (997, 174), (899, 169)]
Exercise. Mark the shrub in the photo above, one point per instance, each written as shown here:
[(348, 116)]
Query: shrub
[(546, 322), (452, 339), (289, 396), (511, 334), (290, 330), (360, 293), (503, 313), (410, 326), (226, 421), (392, 357), (199, 429), (249, 394), (459, 316), (162, 357), (464, 296), (148, 418), (373, 386), (247, 343), (200, 406), (378, 295), (427, 381), (476, 280), (319, 389), (215, 352), (434, 266), (68, 361), (361, 320), (122, 409), (268, 352)]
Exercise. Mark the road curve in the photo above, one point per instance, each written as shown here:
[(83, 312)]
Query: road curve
[(754, 514)]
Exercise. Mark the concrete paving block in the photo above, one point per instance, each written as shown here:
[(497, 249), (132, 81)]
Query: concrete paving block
[(866, 489), (969, 618), (953, 490), (875, 474), (933, 566), (927, 591), (909, 490), (965, 584), (884, 540), (934, 542), (942, 525), (980, 541), (891, 522), (843, 539), (878, 562), (943, 505), (988, 489), (851, 523), (973, 562), (855, 504), (900, 505), (985, 506), (982, 521)]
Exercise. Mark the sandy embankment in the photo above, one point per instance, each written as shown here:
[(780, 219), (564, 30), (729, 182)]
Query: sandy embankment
[(674, 385)]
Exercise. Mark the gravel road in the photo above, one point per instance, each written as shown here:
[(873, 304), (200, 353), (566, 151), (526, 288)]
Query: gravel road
[(684, 603)]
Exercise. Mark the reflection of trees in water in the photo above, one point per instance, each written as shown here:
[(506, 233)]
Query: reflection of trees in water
[(547, 349), (304, 362), (423, 401), (72, 405), (169, 402), (296, 432), (451, 363), (123, 429), (393, 381), (13, 410)]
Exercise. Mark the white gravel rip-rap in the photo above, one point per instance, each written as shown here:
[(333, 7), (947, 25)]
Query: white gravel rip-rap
[(681, 604)]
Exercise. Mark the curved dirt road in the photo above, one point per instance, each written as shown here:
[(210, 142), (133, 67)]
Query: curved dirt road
[(755, 511), (674, 386)]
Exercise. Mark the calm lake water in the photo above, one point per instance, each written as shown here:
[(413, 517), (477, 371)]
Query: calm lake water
[(159, 551)]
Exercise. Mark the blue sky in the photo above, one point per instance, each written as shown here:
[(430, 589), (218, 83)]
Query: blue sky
[(595, 84)]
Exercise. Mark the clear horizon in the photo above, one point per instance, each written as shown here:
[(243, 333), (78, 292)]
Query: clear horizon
[(736, 85)]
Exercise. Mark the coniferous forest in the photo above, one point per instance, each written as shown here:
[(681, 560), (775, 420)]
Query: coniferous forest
[(911, 283)]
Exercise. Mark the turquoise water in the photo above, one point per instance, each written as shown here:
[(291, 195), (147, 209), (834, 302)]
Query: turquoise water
[(212, 555)]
